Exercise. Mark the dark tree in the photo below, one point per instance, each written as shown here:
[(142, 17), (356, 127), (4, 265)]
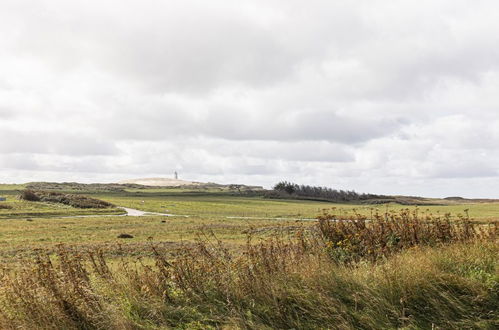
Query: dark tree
[(287, 187)]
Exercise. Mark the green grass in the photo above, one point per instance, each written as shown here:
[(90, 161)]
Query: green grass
[(26, 209), (228, 216), (11, 187), (21, 237), (223, 204)]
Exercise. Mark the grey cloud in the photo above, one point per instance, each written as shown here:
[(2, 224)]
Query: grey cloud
[(186, 46), (59, 143), (305, 151), (19, 162), (372, 95), (194, 49), (465, 169), (298, 126), (6, 113), (166, 121), (41, 163)]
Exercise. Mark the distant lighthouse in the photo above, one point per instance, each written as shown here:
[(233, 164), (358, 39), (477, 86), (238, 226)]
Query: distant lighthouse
[(175, 175)]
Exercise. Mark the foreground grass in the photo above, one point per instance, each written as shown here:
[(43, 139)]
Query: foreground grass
[(399, 271), (275, 284)]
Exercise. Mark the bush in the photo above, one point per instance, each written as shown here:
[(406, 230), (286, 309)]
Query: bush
[(29, 195), (357, 237), (74, 200)]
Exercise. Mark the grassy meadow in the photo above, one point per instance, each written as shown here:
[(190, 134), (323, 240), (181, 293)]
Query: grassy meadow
[(236, 261), (30, 225)]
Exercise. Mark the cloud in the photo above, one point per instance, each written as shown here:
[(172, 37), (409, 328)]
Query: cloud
[(381, 96), (297, 126), (5, 113), (57, 143)]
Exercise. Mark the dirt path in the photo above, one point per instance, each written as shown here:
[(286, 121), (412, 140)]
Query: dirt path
[(138, 213), (129, 212)]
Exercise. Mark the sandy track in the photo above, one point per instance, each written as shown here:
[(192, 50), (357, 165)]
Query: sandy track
[(129, 212), (138, 213)]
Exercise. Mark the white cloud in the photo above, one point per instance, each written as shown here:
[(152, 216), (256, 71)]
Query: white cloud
[(378, 96)]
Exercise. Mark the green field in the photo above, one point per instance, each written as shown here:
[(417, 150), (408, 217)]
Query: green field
[(30, 225)]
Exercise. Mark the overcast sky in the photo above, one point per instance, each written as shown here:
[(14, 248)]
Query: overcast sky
[(391, 96)]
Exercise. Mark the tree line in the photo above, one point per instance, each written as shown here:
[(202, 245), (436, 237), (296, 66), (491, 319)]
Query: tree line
[(289, 189)]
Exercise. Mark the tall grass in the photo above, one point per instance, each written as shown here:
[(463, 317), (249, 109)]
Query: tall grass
[(435, 281), (359, 237)]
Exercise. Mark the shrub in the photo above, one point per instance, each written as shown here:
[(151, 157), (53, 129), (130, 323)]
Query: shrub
[(74, 200), (358, 238), (29, 195), (125, 236)]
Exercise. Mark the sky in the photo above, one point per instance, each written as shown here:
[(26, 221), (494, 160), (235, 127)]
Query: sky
[(388, 97)]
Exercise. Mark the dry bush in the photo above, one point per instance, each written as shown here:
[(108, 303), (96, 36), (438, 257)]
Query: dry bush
[(357, 237), (74, 200), (52, 295), (29, 195)]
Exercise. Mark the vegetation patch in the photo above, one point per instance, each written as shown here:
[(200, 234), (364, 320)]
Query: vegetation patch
[(74, 200), (357, 237), (289, 190), (125, 236), (246, 262), (273, 284)]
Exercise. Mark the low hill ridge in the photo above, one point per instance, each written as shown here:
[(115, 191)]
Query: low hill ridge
[(161, 182)]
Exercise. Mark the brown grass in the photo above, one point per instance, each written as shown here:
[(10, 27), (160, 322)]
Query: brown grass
[(447, 278), (357, 237)]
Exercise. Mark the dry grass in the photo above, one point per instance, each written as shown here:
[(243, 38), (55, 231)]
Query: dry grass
[(357, 237), (441, 281)]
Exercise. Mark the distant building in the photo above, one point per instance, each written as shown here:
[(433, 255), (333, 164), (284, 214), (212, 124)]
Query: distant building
[(2, 199), (175, 175)]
